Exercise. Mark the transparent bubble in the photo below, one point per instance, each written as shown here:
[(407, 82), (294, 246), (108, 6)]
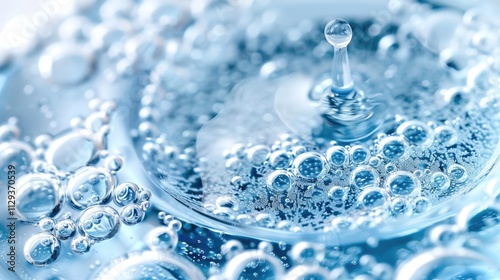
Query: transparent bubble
[(280, 160), (90, 186), (457, 173), (99, 223), (232, 248), (401, 206), (305, 252), (446, 135), (310, 166), (66, 63), (71, 151), (162, 239), (403, 183), (126, 193), (80, 244), (359, 154), (337, 156), (483, 220), (394, 147), (338, 33), (373, 198), (257, 155), (65, 229), (280, 180), (132, 214), (365, 176), (338, 194), (440, 181), (416, 133), (38, 196), (41, 249), (421, 204)]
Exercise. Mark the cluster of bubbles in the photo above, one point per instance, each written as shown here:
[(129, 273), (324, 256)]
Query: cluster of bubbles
[(73, 169), (436, 144)]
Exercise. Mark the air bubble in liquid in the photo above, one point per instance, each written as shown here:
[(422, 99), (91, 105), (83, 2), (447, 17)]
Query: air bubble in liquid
[(403, 183), (99, 223), (41, 249), (90, 186), (457, 173), (280, 180), (337, 156), (38, 196), (310, 166), (365, 176), (416, 133), (394, 148)]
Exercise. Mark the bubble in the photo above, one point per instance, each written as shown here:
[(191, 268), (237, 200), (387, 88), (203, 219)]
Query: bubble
[(416, 133), (125, 193), (403, 183), (41, 249), (359, 155), (364, 176), (400, 206), (338, 33), (132, 214), (457, 173), (446, 135), (280, 180), (38, 196), (394, 148), (280, 160), (97, 182), (421, 204), (65, 229), (109, 32), (227, 202), (114, 163), (72, 150), (310, 166), (440, 181), (231, 248), (46, 224), (233, 165), (16, 153), (373, 198), (80, 244), (337, 156), (99, 223), (482, 220), (343, 223), (305, 252), (447, 263), (338, 194), (66, 63), (162, 239), (265, 220), (257, 155)]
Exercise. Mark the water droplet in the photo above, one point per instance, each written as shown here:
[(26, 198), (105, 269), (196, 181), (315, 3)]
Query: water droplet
[(338, 33), (280, 160), (257, 155)]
